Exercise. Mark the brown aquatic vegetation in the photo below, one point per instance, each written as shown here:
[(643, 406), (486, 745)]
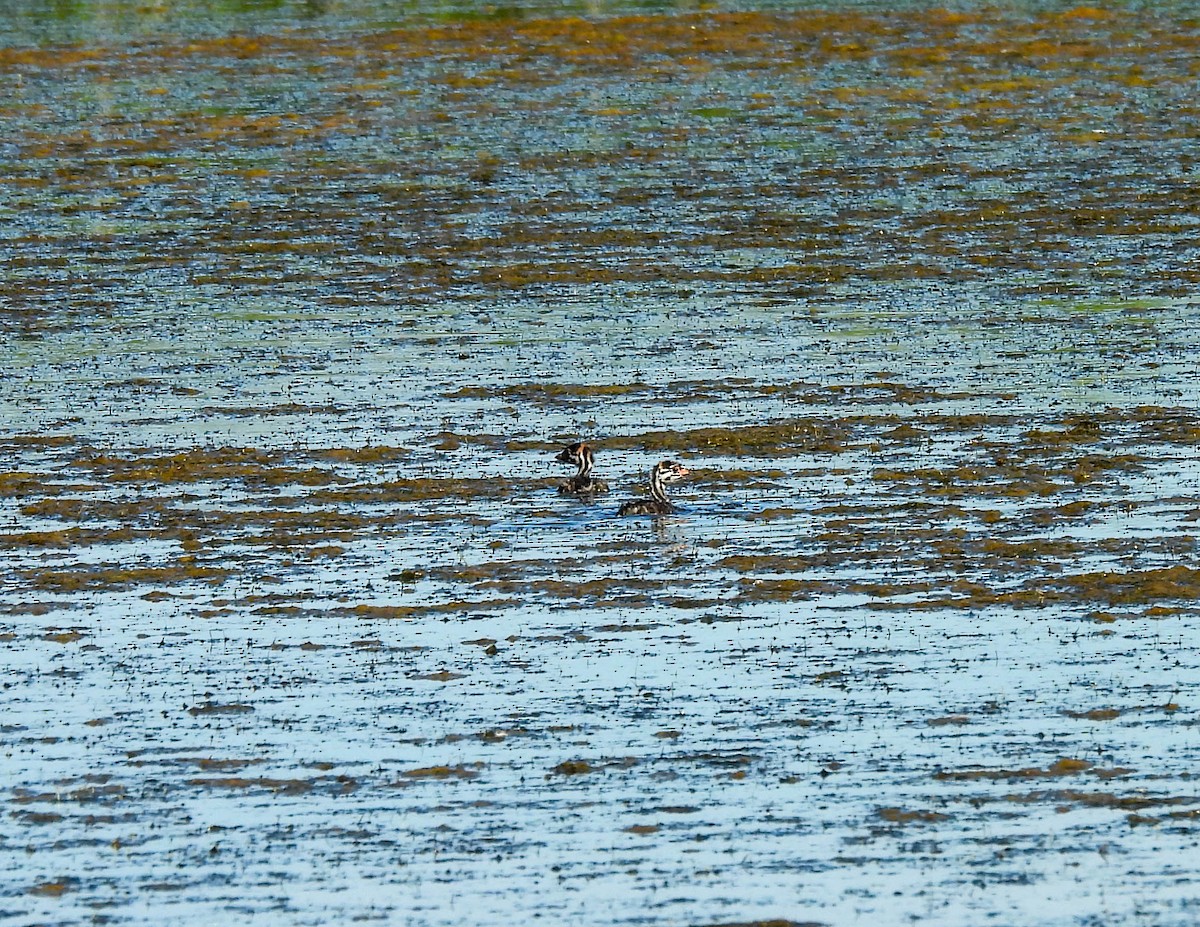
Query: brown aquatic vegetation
[(211, 708), (898, 816), (573, 768), (445, 772), (117, 577), (1067, 797), (952, 83), (72, 537), (954, 720), (1095, 714), (782, 439), (53, 889), (773, 922), (208, 764), (62, 637), (440, 676), (252, 465), (1137, 587), (428, 609), (282, 786), (1134, 588), (1065, 766), (317, 521), (102, 791)]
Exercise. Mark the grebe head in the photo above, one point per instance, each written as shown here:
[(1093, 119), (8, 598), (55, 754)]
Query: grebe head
[(574, 453), (663, 472), (670, 471), (582, 483)]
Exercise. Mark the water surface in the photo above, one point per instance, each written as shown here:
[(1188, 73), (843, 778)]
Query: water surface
[(298, 305)]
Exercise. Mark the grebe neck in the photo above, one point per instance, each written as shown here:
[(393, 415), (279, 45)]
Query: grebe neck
[(586, 461), (658, 488)]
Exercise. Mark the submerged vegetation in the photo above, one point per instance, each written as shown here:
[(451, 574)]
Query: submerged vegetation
[(782, 153), (1008, 518)]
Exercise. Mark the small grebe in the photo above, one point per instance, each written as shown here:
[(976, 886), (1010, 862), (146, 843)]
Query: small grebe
[(582, 483), (666, 471)]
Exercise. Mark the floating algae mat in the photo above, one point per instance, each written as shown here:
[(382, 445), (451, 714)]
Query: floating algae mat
[(299, 303)]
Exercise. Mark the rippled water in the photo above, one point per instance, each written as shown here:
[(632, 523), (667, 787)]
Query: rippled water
[(300, 302)]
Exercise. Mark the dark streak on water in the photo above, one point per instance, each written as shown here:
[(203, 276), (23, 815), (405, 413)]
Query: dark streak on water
[(295, 627)]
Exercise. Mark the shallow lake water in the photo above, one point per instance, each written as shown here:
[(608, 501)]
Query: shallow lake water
[(299, 303)]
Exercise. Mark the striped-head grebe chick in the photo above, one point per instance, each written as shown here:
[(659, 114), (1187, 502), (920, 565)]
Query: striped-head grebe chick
[(666, 471), (582, 483)]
